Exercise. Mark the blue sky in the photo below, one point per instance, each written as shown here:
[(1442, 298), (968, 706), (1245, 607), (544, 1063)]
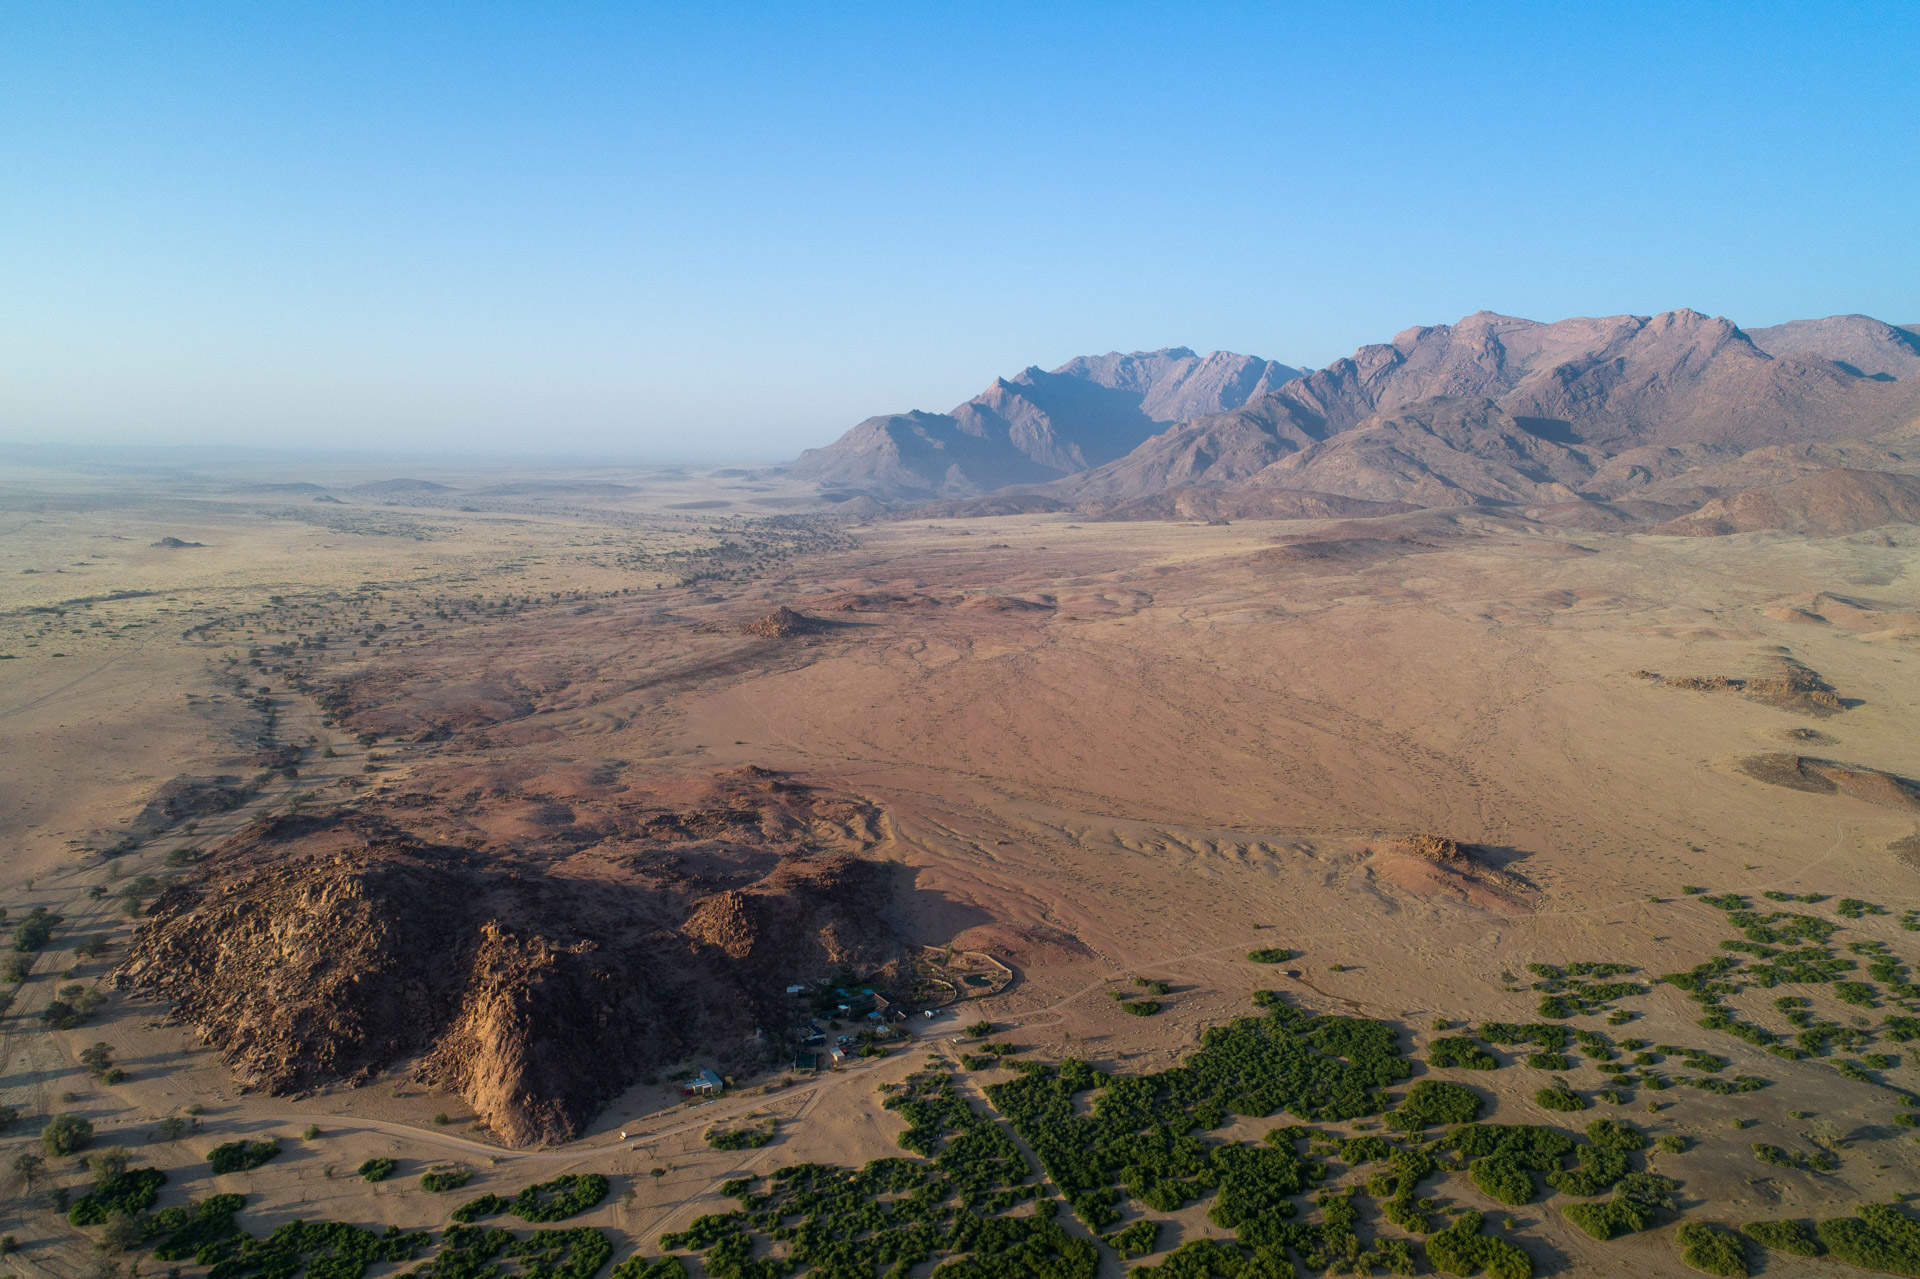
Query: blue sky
[(727, 230)]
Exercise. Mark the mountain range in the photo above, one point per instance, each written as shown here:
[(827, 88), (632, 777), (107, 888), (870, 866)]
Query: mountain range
[(1678, 408)]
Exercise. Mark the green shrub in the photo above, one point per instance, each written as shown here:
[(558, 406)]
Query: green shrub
[(1136, 1240), (1270, 955), (1459, 1052), (1561, 1098), (485, 1206), (1816, 1161), (66, 1135), (196, 1228), (1551, 1038), (743, 1138), (377, 1169), (1635, 1205), (1142, 1007), (35, 931), (241, 1156), (1549, 1061), (1435, 1101), (638, 1267), (1784, 1236), (564, 1196), (1711, 1250), (1880, 1237), (1599, 1167), (445, 1179), (1461, 1249), (1498, 1177), (130, 1192), (1613, 1134)]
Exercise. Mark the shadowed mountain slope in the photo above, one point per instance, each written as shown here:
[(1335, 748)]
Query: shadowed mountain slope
[(1039, 426), (1502, 409)]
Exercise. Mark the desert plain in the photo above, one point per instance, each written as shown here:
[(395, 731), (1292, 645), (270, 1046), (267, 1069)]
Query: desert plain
[(628, 753)]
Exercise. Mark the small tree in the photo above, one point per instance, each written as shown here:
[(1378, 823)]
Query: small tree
[(121, 1233), (108, 1163), (172, 1128), (27, 1166), (65, 1135), (98, 1059)]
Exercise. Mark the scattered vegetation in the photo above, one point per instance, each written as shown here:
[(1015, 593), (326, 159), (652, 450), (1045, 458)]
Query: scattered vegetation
[(741, 1138), (377, 1169), (1818, 1161)]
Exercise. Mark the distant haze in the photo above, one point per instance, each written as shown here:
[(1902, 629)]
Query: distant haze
[(730, 231)]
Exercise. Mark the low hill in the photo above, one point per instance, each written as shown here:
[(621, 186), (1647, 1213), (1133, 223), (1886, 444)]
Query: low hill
[(1825, 504)]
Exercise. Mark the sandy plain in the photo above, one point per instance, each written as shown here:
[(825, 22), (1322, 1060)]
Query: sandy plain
[(1102, 750)]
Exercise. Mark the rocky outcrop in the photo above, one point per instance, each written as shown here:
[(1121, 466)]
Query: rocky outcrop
[(536, 979)]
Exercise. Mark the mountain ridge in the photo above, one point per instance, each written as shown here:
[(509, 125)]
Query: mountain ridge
[(1040, 425)]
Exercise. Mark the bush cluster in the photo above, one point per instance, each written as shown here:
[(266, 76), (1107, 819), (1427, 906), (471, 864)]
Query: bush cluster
[(1461, 1249), (1637, 1200), (132, 1192), (1559, 1097), (1432, 1102), (1880, 1237), (1784, 1236), (241, 1156), (1711, 1250), (565, 1196), (1459, 1052)]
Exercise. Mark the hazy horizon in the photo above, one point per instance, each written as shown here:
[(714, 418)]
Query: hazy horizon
[(591, 232)]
